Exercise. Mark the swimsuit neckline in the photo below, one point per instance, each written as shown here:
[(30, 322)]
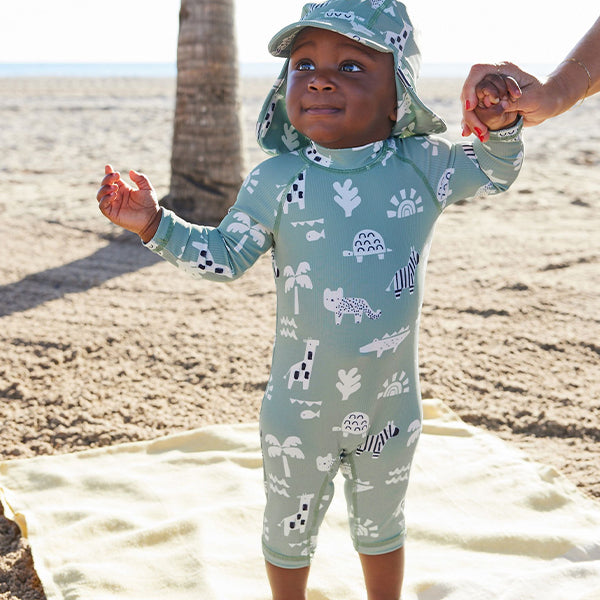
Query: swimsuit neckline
[(344, 158)]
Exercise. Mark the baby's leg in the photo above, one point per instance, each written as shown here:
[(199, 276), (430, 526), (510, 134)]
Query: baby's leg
[(287, 584), (376, 483), (299, 488), (383, 574)]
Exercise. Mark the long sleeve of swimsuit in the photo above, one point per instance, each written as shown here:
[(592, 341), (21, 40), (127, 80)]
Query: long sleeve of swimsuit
[(456, 172), (450, 172), (221, 253)]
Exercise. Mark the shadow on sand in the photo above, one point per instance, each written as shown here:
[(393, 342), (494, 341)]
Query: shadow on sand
[(124, 254)]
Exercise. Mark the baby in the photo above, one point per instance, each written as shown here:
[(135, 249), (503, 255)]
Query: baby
[(347, 206)]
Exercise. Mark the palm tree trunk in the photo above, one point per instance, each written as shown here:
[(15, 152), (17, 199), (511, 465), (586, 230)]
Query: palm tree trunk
[(296, 304), (286, 467), (206, 159), (241, 243)]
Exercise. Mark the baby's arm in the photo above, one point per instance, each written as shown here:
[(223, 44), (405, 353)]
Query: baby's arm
[(133, 209), (495, 108), (467, 170), (221, 253)]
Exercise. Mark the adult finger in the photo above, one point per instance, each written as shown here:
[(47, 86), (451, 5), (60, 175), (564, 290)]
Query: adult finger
[(468, 93), (472, 124), (513, 87)]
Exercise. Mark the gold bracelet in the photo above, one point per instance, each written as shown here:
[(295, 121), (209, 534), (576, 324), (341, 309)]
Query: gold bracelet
[(587, 72)]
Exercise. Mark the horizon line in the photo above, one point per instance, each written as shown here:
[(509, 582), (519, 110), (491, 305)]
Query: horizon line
[(169, 69)]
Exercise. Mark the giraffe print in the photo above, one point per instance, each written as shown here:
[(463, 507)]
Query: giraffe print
[(302, 370), (297, 521)]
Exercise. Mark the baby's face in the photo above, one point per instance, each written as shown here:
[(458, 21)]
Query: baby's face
[(340, 94)]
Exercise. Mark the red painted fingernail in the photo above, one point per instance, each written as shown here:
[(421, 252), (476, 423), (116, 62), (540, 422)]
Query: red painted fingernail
[(478, 132), (468, 105)]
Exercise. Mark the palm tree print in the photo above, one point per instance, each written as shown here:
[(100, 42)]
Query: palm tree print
[(288, 448), (296, 279), (257, 232)]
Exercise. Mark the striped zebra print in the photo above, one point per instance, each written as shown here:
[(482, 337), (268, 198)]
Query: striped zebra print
[(375, 443), (404, 278)]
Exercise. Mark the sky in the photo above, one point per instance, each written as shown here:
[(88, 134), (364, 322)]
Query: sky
[(452, 31)]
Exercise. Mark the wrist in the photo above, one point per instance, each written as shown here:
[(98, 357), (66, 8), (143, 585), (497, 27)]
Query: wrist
[(508, 131), (149, 231), (565, 87)]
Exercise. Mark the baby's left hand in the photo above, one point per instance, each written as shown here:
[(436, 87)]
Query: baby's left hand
[(495, 108)]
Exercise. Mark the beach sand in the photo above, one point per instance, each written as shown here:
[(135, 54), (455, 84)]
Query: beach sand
[(102, 343)]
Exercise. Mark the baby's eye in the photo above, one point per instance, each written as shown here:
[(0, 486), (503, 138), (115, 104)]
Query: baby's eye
[(350, 67), (304, 65)]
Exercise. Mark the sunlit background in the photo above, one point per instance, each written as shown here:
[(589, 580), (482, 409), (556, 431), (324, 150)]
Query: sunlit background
[(452, 33)]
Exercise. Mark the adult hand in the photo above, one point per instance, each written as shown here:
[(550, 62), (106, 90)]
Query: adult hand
[(525, 96), (495, 107)]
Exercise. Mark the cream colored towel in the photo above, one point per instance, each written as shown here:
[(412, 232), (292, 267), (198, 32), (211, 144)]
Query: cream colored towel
[(180, 518)]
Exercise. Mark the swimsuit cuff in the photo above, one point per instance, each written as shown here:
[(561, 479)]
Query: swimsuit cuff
[(509, 133), (163, 233)]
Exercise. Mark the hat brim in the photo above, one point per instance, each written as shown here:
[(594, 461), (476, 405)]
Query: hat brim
[(281, 43)]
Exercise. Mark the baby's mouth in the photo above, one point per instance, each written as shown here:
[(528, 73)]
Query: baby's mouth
[(322, 109)]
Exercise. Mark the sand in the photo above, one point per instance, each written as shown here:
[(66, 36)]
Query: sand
[(102, 343)]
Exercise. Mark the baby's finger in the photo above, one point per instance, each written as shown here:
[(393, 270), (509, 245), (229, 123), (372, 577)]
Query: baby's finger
[(106, 192), (105, 205), (489, 95), (121, 184), (111, 178), (491, 89), (140, 180)]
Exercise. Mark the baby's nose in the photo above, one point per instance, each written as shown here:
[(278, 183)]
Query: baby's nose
[(321, 82)]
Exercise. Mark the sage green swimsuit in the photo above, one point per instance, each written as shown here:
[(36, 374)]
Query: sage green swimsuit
[(350, 231)]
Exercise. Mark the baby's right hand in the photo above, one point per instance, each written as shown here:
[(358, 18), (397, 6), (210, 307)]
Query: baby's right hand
[(134, 209)]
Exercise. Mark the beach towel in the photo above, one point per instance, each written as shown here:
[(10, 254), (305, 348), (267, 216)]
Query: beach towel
[(180, 517)]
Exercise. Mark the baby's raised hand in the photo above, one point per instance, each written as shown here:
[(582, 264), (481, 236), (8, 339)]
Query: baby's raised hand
[(495, 95), (134, 209)]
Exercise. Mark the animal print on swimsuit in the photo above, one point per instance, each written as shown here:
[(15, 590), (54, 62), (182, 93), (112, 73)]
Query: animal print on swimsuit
[(350, 236), (334, 301)]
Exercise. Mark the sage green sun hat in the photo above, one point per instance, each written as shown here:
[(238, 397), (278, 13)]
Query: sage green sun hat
[(380, 24)]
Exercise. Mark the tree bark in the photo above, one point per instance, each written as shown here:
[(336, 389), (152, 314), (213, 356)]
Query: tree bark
[(206, 159)]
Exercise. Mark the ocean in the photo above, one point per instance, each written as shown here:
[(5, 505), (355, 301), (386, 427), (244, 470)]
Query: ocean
[(161, 70)]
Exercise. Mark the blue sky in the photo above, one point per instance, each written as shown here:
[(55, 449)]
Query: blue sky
[(525, 31)]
